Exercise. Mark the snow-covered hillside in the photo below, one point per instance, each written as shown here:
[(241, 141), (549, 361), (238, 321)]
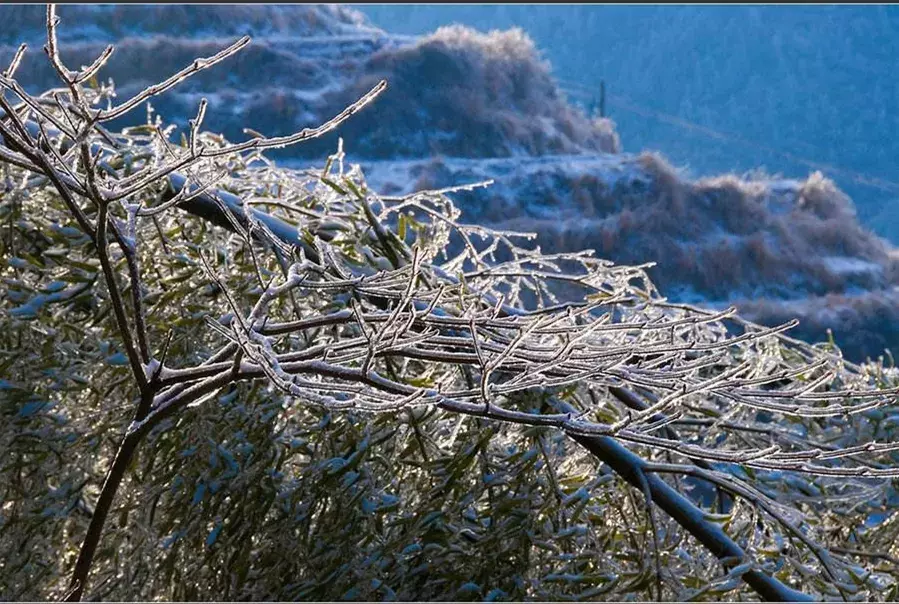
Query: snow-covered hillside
[(464, 107), (724, 88)]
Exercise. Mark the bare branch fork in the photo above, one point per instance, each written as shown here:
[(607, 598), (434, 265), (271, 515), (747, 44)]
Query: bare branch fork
[(462, 317)]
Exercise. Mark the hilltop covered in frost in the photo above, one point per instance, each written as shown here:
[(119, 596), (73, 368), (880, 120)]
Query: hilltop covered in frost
[(464, 106)]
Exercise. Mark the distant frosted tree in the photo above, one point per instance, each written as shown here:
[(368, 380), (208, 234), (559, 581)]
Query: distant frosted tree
[(223, 379)]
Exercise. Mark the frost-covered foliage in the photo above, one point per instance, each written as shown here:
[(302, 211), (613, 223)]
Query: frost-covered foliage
[(225, 379), (470, 94)]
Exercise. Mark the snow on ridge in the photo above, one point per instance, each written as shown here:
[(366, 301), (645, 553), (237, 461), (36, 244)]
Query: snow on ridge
[(613, 165), (847, 265)]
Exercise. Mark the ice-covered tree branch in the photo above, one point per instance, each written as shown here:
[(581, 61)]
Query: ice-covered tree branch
[(350, 302)]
